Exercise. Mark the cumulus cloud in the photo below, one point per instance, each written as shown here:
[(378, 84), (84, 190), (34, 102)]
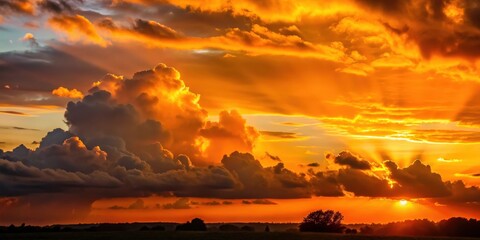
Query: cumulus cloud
[(418, 180), (229, 134), (148, 135), (172, 115), (255, 181), (116, 142), (67, 93)]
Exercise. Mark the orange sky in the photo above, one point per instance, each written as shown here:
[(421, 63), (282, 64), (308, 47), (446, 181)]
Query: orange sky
[(351, 105)]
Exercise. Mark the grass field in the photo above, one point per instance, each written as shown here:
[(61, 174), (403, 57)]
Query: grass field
[(170, 235)]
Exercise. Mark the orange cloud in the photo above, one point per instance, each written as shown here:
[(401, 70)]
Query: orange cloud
[(67, 93), (77, 28), (18, 6), (259, 40)]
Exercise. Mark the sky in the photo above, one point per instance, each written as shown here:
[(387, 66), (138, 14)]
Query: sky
[(165, 110)]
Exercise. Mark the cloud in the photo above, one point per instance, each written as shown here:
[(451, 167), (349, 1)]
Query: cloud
[(181, 203), (348, 159), (13, 113), (172, 115), (137, 204), (363, 184), (287, 135), (77, 28), (115, 142), (154, 29), (19, 179), (28, 37), (272, 157), (259, 202), (67, 93), (258, 40), (231, 128), (17, 6), (418, 180), (448, 160), (148, 135), (461, 194), (325, 183), (57, 7), (72, 156), (445, 28), (22, 128), (254, 181), (38, 72)]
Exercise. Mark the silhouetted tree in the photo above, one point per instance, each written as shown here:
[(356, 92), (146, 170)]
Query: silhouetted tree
[(158, 228), (351, 231), (418, 227), (267, 229), (247, 229), (196, 224), (228, 228), (145, 228), (320, 221), (458, 226), (366, 230)]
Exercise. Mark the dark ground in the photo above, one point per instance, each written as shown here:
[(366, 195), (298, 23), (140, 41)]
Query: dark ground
[(170, 235)]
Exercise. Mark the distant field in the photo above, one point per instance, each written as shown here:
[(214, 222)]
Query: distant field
[(170, 235)]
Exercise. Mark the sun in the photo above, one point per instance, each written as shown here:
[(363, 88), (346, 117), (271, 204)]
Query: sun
[(403, 202)]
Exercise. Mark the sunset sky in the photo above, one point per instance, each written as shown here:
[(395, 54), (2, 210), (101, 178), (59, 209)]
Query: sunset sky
[(248, 110)]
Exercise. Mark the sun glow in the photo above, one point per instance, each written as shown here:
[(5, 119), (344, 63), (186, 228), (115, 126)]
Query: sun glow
[(403, 202)]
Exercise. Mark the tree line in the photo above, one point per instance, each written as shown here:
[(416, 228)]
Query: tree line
[(327, 221)]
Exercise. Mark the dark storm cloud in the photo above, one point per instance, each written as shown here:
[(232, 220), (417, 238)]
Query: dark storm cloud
[(418, 180), (348, 159), (326, 184), (426, 23), (258, 182), (55, 137), (461, 194), (18, 179), (117, 146)]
